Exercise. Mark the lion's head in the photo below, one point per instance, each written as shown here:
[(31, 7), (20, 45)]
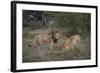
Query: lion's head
[(55, 35)]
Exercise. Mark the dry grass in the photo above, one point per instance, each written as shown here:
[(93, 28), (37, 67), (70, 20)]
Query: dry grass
[(31, 52)]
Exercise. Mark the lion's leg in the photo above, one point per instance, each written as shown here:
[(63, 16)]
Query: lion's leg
[(40, 52), (51, 45), (39, 48)]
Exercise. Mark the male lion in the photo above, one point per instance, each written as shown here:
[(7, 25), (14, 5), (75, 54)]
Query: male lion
[(49, 38), (71, 42)]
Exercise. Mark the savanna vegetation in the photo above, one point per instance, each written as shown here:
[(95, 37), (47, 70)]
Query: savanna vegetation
[(68, 23)]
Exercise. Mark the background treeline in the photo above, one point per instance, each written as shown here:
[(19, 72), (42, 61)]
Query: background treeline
[(70, 21)]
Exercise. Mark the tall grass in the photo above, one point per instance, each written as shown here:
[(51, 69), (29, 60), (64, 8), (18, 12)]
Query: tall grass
[(31, 52)]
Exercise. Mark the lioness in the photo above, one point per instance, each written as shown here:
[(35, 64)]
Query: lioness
[(50, 38), (71, 42)]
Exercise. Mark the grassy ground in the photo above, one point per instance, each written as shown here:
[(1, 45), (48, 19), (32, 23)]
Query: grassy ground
[(31, 53)]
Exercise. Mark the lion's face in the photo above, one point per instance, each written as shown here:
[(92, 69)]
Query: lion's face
[(76, 37), (55, 35), (72, 41)]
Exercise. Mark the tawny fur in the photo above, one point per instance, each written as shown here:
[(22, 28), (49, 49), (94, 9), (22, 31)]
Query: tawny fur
[(49, 38), (71, 42)]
